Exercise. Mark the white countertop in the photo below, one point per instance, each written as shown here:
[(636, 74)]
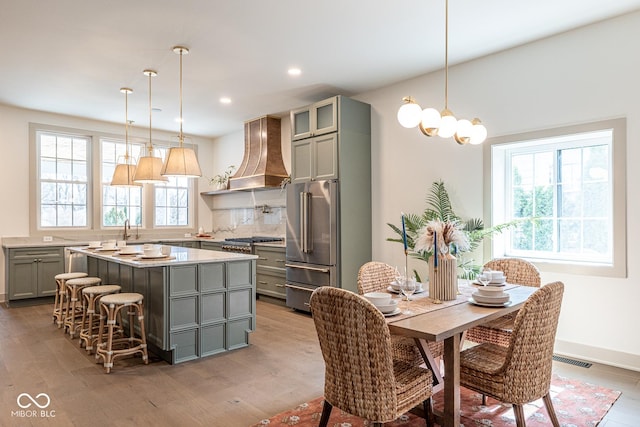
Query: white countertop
[(179, 256), (30, 242)]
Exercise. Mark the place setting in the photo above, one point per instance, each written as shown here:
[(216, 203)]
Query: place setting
[(384, 302), (491, 292), (154, 252)]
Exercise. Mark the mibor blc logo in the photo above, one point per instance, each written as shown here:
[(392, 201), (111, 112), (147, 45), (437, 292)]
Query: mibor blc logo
[(33, 407)]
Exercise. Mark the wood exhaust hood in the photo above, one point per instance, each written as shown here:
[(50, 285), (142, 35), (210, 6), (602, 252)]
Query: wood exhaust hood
[(262, 165)]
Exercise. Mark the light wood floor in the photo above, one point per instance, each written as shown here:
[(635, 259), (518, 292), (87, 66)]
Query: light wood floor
[(280, 369)]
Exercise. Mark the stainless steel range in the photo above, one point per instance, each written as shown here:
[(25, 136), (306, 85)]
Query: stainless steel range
[(244, 245)]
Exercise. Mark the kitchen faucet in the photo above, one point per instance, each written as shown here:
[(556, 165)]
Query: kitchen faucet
[(127, 225)]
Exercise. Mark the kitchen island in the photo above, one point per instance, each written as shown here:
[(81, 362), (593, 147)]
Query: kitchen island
[(197, 302)]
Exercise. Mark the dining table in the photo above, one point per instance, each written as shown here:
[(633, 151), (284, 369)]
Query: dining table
[(447, 321)]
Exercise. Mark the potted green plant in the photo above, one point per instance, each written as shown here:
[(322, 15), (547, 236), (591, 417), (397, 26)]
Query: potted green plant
[(439, 210), (221, 181)]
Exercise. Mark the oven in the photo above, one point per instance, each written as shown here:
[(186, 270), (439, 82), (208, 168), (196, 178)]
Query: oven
[(244, 245)]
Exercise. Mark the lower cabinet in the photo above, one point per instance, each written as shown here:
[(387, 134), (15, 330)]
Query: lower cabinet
[(211, 246), (192, 310), (30, 272), (270, 271)]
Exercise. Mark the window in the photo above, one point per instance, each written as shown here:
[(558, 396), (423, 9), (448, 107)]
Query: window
[(70, 175), (565, 186), (119, 203), (171, 200), (63, 177)]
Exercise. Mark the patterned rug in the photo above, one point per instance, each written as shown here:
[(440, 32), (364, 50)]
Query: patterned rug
[(577, 404)]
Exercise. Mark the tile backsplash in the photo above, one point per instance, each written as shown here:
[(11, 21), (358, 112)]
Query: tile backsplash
[(262, 220)]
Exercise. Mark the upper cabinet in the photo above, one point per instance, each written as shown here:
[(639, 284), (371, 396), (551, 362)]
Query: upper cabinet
[(315, 119), (330, 139)]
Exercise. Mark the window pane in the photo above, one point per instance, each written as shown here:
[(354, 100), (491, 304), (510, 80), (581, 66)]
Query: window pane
[(65, 216), (543, 235), (80, 216), (47, 193), (64, 170), (118, 203), (64, 147), (561, 187), (48, 215), (48, 169), (79, 149), (161, 216), (48, 146), (596, 237)]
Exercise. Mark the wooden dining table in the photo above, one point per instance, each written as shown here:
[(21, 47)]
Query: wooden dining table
[(448, 323)]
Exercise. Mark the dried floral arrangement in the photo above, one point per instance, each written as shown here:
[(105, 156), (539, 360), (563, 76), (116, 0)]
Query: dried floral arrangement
[(452, 232)]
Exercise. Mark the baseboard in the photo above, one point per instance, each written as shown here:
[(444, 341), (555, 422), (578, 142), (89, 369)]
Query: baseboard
[(598, 355), (3, 298)]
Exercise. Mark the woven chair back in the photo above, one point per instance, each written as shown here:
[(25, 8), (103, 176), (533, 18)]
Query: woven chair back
[(516, 270), (529, 358), (375, 276), (356, 347)]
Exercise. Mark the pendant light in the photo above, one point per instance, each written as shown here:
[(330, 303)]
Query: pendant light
[(444, 123), (124, 172), (181, 161), (149, 167)]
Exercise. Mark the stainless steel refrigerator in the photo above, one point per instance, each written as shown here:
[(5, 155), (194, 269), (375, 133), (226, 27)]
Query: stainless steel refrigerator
[(312, 250)]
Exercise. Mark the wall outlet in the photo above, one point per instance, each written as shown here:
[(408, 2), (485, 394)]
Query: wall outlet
[(187, 234), (47, 238)]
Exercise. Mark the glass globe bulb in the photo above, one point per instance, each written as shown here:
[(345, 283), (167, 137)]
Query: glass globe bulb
[(448, 126), (430, 118), (478, 133), (464, 128), (409, 114)]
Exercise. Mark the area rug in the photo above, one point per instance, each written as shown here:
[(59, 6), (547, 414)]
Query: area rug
[(576, 403)]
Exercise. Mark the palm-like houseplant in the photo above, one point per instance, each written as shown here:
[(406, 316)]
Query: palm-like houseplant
[(439, 209)]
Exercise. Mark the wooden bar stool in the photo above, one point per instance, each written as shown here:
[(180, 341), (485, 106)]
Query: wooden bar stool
[(59, 304), (110, 307), (90, 318), (73, 309)]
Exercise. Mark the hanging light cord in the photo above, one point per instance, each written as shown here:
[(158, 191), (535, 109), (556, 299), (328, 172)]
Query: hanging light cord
[(126, 126), (150, 148), (181, 136), (446, 55)]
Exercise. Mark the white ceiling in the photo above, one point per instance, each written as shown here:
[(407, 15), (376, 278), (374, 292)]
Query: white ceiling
[(71, 57)]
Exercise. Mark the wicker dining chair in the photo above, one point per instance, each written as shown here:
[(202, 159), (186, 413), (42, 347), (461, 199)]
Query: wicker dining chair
[(361, 376), (521, 372), (517, 271)]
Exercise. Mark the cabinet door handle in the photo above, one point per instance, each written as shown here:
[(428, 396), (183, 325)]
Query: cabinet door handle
[(278, 285), (262, 258), (262, 282), (279, 260)]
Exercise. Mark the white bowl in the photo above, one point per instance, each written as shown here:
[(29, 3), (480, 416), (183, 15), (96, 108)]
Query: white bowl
[(378, 298), (388, 308), (490, 299)]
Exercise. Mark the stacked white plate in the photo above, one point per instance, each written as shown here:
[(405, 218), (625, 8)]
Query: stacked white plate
[(491, 296)]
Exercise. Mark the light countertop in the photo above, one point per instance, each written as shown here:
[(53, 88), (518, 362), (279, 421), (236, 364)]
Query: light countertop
[(29, 242), (179, 256)]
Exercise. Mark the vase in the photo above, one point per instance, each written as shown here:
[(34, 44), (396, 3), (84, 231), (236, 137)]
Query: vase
[(443, 279)]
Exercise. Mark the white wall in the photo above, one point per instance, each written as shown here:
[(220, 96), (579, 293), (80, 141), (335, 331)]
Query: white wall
[(585, 75), (14, 165)]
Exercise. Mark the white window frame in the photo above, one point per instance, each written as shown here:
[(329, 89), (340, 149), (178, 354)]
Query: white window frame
[(35, 184), (496, 201), (94, 196)]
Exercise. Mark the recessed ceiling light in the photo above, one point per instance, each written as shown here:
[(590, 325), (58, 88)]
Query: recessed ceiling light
[(294, 71), (225, 100)]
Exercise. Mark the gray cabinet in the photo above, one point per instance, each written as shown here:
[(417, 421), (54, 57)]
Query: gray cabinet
[(315, 158), (270, 271), (31, 272), (211, 246), (315, 119), (192, 310), (331, 140)]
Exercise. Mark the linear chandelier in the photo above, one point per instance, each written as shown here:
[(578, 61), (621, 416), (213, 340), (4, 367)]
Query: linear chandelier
[(149, 167), (124, 172), (181, 161), (444, 123)]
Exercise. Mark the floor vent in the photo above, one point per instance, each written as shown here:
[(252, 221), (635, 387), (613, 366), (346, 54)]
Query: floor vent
[(571, 361)]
